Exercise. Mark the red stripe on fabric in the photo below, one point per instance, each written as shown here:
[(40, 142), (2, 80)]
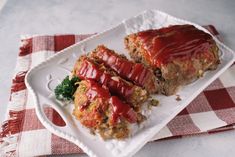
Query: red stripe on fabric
[(18, 87), (217, 130), (26, 48), (219, 99), (227, 115), (63, 41), (231, 92), (183, 112), (49, 43), (182, 125), (62, 146), (226, 111), (31, 121), (199, 104), (19, 77), (43, 43), (217, 84), (35, 44), (13, 124), (221, 129), (18, 83)]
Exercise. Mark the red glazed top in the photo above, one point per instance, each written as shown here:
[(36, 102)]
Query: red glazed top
[(119, 108), (89, 70), (135, 72), (179, 41)]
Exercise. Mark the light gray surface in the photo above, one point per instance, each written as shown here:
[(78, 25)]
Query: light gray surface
[(80, 16)]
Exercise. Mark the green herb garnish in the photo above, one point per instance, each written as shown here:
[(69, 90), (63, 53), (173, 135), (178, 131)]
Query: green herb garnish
[(66, 89)]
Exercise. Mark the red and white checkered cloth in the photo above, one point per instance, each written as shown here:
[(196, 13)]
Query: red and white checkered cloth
[(23, 135)]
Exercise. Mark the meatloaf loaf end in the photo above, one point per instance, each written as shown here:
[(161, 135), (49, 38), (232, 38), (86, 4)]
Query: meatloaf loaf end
[(178, 54)]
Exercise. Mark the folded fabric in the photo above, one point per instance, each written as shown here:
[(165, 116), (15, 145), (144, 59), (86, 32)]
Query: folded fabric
[(23, 135)]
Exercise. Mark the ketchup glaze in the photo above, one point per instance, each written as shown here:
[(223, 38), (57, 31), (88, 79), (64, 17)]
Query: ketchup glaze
[(179, 41), (89, 70), (118, 107), (135, 72)]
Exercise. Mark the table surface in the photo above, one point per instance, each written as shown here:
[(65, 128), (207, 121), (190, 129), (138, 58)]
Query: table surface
[(80, 16)]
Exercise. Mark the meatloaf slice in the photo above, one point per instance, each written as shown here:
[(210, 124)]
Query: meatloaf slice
[(178, 54), (102, 113), (85, 68), (129, 70)]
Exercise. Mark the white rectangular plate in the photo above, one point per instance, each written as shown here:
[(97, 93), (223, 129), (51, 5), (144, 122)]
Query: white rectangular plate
[(42, 79)]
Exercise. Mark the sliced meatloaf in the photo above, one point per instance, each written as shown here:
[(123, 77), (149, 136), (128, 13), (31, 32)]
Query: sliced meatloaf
[(102, 113), (85, 68), (178, 54), (137, 73)]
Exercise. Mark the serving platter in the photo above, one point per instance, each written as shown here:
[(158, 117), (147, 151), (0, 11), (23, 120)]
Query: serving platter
[(43, 78)]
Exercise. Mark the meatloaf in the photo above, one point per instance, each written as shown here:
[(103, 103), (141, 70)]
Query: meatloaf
[(102, 113), (178, 54), (85, 68), (137, 73)]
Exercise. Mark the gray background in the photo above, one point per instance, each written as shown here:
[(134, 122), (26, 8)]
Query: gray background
[(83, 16)]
